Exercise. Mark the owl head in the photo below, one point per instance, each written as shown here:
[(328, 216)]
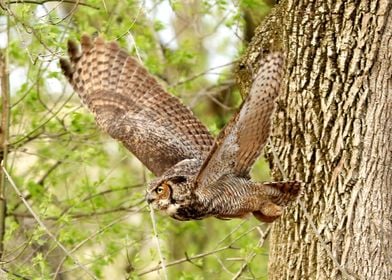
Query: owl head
[(167, 194)]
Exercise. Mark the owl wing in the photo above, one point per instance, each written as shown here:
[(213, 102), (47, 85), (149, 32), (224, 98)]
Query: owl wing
[(240, 143), (131, 106)]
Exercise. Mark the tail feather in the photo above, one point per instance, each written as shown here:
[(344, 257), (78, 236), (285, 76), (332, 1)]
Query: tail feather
[(282, 193)]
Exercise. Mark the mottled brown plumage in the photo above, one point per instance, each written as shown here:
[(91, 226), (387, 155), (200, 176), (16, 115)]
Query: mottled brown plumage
[(196, 177), (132, 106)]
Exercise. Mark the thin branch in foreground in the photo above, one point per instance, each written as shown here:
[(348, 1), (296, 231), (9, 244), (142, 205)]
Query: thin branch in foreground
[(232, 232), (4, 135), (111, 191), (251, 256), (186, 259), (80, 244), (189, 259), (156, 237), (128, 209), (38, 2), (11, 181), (202, 74), (14, 274), (40, 182)]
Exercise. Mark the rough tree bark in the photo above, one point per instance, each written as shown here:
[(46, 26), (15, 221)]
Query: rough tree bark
[(332, 130)]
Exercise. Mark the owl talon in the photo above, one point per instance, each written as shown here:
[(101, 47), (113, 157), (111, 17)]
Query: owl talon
[(263, 218), (269, 212)]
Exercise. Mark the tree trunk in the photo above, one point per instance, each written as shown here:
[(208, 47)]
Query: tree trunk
[(333, 130)]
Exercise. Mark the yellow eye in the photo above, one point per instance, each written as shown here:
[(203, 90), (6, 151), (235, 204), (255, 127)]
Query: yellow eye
[(162, 189)]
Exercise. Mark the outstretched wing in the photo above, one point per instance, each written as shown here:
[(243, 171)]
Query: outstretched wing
[(242, 140), (131, 106)]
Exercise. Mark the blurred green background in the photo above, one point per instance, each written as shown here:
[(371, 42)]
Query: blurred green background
[(87, 188)]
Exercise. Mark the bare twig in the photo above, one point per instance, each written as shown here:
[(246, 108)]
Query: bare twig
[(4, 130), (42, 179), (136, 48), (69, 14), (49, 171), (128, 32), (16, 252), (37, 131), (186, 259), (128, 209), (42, 225), (232, 232), (14, 274), (80, 244), (156, 237), (210, 91), (202, 74), (250, 257), (112, 190), (47, 1)]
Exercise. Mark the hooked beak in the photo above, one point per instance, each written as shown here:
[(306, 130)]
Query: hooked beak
[(149, 198)]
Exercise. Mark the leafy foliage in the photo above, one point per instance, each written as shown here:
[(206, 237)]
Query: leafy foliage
[(86, 188)]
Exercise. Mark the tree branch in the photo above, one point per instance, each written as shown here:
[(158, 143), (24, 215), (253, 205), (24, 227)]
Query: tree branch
[(186, 259), (14, 274), (250, 257), (4, 129), (47, 1), (162, 265), (42, 225), (82, 215), (80, 244)]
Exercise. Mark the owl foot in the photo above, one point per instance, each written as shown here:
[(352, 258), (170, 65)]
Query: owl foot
[(279, 194), (269, 212)]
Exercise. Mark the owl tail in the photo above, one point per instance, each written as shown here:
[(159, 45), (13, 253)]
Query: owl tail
[(280, 194)]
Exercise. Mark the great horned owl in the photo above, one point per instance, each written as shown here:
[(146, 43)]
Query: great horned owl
[(196, 177)]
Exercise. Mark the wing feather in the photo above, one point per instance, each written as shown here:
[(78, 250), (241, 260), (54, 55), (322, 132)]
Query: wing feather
[(240, 143), (131, 106)]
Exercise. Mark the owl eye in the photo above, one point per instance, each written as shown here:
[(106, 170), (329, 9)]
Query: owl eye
[(163, 189), (159, 190)]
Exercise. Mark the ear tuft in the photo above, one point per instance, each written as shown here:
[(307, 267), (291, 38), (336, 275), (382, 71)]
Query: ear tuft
[(178, 179)]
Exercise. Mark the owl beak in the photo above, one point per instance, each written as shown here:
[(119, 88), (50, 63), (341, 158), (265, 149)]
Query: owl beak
[(149, 198)]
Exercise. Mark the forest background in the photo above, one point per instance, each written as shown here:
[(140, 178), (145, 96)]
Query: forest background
[(83, 213), (72, 199)]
